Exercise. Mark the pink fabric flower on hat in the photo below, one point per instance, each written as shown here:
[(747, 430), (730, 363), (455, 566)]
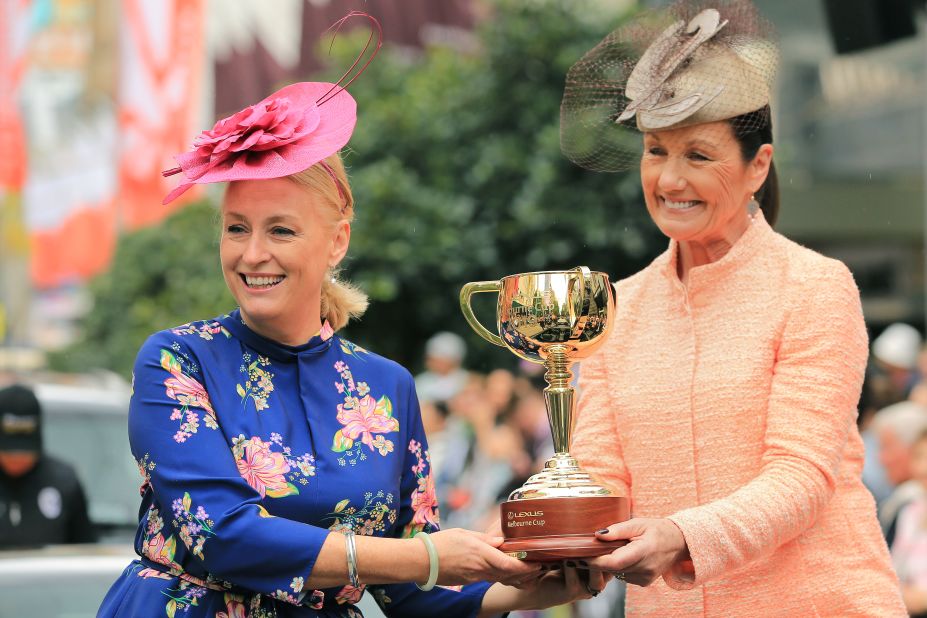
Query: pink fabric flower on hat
[(283, 134), (265, 126)]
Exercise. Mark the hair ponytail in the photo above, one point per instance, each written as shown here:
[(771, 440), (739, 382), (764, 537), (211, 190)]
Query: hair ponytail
[(342, 301), (769, 196), (750, 142)]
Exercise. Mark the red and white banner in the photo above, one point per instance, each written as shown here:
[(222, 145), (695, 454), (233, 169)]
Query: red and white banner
[(160, 101)]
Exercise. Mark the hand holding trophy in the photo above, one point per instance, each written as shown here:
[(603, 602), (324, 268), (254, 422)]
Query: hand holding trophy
[(554, 318)]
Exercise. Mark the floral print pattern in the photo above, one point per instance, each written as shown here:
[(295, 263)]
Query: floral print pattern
[(362, 417), (205, 329), (195, 526), (424, 500), (259, 383), (182, 597), (234, 607), (155, 546), (189, 394), (352, 349), (374, 516), (145, 467), (267, 471)]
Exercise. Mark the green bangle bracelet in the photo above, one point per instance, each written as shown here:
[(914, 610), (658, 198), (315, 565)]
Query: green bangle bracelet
[(432, 562)]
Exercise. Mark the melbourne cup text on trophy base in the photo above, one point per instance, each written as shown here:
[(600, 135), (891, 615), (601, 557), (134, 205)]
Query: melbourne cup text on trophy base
[(554, 318)]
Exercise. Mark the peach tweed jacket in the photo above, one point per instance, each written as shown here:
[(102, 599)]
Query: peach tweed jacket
[(729, 406)]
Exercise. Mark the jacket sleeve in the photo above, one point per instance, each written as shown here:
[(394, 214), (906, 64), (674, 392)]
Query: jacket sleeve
[(418, 511), (595, 445), (207, 506), (817, 376)]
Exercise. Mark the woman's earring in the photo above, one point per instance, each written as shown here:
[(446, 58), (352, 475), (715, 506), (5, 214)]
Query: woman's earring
[(752, 206)]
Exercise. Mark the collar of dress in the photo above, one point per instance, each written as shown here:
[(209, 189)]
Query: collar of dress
[(757, 235), (318, 344)]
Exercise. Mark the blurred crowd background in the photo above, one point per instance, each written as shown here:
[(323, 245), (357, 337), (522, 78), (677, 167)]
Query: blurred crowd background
[(458, 177)]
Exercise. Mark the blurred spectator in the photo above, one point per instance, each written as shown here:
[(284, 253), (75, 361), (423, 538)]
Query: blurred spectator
[(874, 477), (477, 464), (909, 551), (528, 422), (444, 376), (919, 391), (897, 427), (896, 352), (41, 499)]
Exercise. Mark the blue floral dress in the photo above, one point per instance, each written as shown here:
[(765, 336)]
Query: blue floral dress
[(252, 452)]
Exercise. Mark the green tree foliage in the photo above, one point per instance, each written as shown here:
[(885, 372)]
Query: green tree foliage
[(457, 173), (458, 176)]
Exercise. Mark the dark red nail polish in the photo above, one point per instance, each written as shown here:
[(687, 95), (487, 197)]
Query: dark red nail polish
[(602, 531)]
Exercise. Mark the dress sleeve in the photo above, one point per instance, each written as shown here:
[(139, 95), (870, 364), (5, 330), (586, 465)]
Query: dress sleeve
[(816, 382), (418, 511), (190, 468), (594, 435)]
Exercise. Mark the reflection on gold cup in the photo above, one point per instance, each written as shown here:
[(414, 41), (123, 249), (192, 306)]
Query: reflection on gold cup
[(554, 318)]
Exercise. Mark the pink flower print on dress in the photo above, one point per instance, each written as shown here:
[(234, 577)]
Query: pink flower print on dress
[(366, 418), (188, 393), (263, 469), (363, 417), (234, 608), (425, 503), (350, 594), (424, 500), (327, 331)]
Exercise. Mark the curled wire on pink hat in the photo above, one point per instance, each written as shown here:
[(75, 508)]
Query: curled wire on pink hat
[(287, 132)]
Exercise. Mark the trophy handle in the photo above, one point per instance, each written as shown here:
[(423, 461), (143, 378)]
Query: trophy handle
[(466, 292), (577, 307)]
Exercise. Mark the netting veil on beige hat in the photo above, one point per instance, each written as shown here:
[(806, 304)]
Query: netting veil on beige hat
[(689, 64)]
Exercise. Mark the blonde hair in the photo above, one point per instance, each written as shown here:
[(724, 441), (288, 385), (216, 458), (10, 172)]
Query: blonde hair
[(341, 300)]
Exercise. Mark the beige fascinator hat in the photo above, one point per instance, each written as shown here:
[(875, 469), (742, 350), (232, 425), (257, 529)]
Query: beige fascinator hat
[(685, 65)]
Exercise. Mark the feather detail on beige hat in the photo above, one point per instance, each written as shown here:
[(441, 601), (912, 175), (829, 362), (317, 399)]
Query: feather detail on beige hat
[(667, 69)]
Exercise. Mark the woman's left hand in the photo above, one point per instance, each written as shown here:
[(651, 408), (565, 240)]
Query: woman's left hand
[(655, 546)]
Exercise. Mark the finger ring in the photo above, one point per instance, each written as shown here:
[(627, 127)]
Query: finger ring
[(619, 576)]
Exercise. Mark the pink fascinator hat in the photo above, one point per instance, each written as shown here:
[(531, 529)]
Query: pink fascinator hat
[(285, 133)]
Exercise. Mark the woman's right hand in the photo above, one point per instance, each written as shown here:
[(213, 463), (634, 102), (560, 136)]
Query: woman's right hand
[(554, 587), (465, 557)]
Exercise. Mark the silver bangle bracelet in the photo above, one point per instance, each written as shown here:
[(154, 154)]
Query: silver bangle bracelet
[(351, 551)]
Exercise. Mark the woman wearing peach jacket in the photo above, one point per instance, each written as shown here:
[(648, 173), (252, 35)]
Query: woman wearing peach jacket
[(725, 399)]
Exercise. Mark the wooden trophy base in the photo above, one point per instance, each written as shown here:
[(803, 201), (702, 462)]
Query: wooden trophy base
[(556, 529)]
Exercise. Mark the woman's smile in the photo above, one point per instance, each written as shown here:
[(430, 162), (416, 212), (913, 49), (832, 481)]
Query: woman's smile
[(678, 205), (258, 282)]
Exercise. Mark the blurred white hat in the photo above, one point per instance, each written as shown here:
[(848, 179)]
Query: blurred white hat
[(446, 345), (898, 345)]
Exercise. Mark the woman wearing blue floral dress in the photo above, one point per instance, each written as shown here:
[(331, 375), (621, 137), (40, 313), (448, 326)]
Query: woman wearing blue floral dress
[(285, 468)]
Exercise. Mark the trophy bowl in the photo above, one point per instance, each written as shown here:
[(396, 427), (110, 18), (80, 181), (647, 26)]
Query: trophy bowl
[(554, 318)]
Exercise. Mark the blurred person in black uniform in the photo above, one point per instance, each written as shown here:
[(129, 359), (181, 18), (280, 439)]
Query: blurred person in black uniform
[(41, 499)]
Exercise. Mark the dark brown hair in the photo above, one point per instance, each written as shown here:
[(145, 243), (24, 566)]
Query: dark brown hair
[(750, 140)]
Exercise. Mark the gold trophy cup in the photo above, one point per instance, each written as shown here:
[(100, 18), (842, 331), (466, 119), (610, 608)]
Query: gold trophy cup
[(554, 318)]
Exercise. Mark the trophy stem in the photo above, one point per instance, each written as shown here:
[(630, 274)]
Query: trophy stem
[(558, 397)]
